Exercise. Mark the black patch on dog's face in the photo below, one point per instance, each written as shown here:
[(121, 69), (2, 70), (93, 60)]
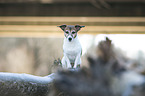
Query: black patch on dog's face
[(70, 30)]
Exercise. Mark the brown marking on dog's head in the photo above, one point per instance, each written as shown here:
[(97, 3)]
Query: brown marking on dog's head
[(70, 31)]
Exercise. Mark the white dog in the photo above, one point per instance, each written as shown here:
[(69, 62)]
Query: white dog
[(72, 49)]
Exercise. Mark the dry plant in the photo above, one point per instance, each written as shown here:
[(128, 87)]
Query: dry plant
[(93, 81)]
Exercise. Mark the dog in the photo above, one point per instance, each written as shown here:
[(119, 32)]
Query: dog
[(72, 49)]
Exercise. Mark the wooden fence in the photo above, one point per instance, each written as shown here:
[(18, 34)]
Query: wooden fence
[(47, 26)]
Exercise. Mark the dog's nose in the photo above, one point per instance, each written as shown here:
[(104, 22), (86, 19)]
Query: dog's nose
[(69, 39)]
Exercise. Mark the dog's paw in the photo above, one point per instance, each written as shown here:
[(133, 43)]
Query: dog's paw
[(77, 66)]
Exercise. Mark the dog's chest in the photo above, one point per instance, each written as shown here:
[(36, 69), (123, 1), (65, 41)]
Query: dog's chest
[(72, 49)]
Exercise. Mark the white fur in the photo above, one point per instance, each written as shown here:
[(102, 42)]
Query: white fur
[(72, 53)]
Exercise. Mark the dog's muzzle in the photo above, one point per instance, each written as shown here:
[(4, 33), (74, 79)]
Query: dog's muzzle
[(69, 39)]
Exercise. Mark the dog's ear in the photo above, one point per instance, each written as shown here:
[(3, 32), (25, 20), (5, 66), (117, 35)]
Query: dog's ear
[(62, 26), (78, 27)]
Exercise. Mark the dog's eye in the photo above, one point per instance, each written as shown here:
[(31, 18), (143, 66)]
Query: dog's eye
[(73, 32), (66, 32)]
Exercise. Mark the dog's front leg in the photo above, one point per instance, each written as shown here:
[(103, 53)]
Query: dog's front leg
[(77, 61), (66, 62)]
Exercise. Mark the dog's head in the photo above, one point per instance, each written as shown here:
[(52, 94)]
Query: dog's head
[(70, 31)]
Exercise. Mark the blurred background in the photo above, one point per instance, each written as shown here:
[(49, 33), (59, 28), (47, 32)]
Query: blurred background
[(30, 40)]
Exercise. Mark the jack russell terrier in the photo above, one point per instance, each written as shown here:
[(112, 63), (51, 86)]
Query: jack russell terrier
[(72, 49)]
